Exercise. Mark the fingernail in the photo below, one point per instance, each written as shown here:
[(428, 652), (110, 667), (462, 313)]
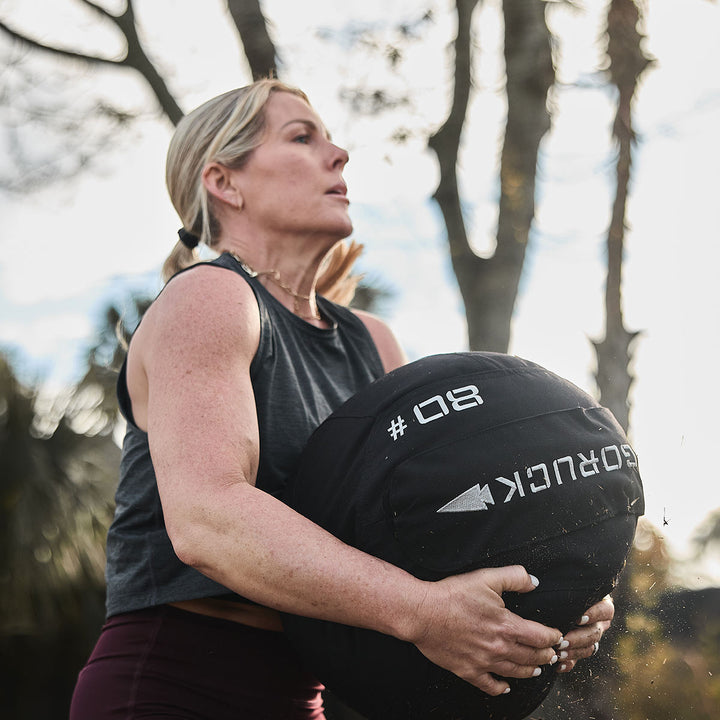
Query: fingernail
[(563, 655), (563, 667), (536, 672), (563, 645), (534, 581), (554, 659), (584, 620), (506, 691)]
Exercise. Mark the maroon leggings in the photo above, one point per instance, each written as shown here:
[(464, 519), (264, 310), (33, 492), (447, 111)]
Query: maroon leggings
[(176, 665)]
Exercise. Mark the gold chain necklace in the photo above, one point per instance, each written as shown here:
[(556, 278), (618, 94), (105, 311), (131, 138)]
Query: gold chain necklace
[(274, 277)]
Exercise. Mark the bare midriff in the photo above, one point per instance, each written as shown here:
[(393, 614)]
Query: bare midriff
[(255, 616)]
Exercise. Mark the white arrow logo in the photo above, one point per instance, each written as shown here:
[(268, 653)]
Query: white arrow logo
[(475, 498)]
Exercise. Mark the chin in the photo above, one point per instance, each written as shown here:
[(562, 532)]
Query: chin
[(342, 230), (334, 230), (346, 233), (348, 228)]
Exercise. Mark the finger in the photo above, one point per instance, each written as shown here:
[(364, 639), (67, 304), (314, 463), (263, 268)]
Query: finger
[(509, 669), (580, 645), (511, 578), (515, 578), (602, 611), (489, 684), (535, 636), (569, 654), (584, 637), (530, 658), (575, 655), (566, 666), (577, 652)]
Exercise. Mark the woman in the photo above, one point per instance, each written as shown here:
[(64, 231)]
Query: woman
[(233, 366)]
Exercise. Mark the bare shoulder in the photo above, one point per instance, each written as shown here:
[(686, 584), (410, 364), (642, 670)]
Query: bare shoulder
[(205, 305), (391, 354), (205, 322)]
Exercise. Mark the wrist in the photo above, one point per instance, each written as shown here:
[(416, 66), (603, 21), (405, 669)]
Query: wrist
[(416, 611)]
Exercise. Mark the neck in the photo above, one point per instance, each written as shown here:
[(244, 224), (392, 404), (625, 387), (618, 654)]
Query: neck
[(303, 304), (286, 264)]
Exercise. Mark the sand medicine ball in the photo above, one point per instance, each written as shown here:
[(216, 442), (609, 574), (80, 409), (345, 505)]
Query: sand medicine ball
[(457, 462)]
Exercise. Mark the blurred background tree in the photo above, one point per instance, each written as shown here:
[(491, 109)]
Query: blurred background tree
[(58, 469), (669, 654), (58, 473)]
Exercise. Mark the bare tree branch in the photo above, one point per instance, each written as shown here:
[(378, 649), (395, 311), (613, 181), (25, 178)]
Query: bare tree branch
[(27, 113), (135, 56), (37, 45)]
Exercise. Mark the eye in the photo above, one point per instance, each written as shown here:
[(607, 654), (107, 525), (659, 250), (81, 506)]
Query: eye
[(303, 139)]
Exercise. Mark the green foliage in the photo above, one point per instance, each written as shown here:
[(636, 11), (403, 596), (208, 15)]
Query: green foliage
[(707, 536), (55, 505), (664, 680), (58, 472), (660, 660), (666, 671)]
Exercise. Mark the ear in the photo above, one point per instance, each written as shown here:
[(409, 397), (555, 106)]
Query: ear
[(220, 182)]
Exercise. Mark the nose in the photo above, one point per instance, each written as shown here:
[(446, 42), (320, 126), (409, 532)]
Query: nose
[(340, 157)]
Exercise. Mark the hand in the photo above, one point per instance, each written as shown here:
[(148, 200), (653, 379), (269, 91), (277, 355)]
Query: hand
[(583, 641), (465, 628)]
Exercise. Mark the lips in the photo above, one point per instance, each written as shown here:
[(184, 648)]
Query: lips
[(339, 189)]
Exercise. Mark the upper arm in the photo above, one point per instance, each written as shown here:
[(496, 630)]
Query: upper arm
[(391, 354), (195, 352)]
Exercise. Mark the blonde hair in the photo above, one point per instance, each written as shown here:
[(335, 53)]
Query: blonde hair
[(226, 129)]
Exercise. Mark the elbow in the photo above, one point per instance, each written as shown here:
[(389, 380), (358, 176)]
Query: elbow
[(186, 539), (205, 531), (184, 552)]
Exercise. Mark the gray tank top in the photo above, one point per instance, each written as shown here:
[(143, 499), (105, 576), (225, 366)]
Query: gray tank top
[(299, 374)]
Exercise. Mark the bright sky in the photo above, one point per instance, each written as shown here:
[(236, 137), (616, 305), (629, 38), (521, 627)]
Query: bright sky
[(67, 251)]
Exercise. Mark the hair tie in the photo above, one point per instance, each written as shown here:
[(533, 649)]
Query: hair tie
[(189, 240)]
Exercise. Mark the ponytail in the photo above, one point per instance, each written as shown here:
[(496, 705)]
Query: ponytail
[(180, 257), (335, 281)]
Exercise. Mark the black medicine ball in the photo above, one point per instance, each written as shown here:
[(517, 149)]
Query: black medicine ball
[(457, 462)]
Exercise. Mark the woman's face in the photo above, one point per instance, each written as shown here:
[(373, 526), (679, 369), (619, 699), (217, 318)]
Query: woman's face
[(292, 182)]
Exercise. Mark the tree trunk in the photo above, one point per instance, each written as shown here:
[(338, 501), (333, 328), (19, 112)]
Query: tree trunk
[(614, 352), (590, 691), (489, 285), (252, 28)]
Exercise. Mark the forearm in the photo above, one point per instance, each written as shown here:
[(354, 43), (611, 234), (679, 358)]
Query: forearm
[(263, 550)]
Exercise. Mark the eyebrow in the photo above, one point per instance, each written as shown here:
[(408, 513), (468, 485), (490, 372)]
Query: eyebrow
[(309, 124)]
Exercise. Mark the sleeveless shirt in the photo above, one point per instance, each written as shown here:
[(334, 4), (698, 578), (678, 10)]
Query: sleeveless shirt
[(300, 374)]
